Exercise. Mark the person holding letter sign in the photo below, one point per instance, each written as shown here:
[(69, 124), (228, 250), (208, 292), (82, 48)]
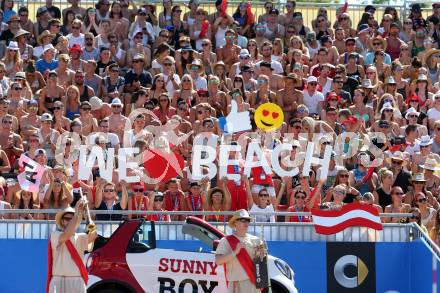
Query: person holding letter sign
[(237, 253)]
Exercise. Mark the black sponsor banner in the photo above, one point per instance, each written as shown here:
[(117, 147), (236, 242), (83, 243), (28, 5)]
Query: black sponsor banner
[(351, 267)]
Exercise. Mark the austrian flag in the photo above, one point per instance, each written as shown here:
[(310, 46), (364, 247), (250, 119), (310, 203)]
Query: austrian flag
[(356, 214)]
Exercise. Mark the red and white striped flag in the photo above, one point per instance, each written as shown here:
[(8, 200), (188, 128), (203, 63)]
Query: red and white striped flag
[(355, 214)]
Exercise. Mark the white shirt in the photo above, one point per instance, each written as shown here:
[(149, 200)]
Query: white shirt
[(76, 40), (433, 113), (312, 101), (263, 218), (201, 83), (276, 66), (169, 84), (135, 27), (112, 139), (327, 87)]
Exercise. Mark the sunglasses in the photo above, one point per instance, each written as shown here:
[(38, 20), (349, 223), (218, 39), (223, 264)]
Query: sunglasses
[(109, 190), (394, 162), (300, 197), (137, 61), (312, 83), (67, 218), (377, 44), (422, 200), (344, 175), (75, 27), (415, 218), (205, 45), (158, 199), (17, 88), (398, 193), (7, 122), (167, 64), (263, 195), (244, 220), (138, 190), (86, 109)]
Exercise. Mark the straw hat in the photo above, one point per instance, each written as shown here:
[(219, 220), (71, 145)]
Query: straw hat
[(430, 164), (196, 62), (429, 54), (418, 177), (240, 214), (219, 63), (59, 216), (43, 35), (21, 32), (397, 156)]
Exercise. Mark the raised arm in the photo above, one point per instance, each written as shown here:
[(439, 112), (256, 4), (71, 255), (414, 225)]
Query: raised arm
[(124, 197), (227, 194), (250, 200), (277, 200), (73, 224), (317, 193)]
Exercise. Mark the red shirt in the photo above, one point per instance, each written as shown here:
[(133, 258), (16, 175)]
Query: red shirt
[(139, 205), (158, 218), (173, 202), (194, 203), (304, 219), (260, 177)]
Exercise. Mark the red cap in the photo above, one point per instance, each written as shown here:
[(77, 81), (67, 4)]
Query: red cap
[(351, 119), (75, 48), (333, 95), (137, 185), (202, 92)]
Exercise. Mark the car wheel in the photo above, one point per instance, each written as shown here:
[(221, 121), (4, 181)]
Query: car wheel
[(276, 287), (108, 290)]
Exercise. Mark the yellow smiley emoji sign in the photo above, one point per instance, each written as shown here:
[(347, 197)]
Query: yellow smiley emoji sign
[(269, 117)]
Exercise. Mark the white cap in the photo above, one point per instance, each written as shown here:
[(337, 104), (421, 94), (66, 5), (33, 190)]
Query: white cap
[(244, 53), (385, 106), (48, 47), (13, 46), (46, 117), (411, 111), (312, 78), (96, 103), (116, 101)]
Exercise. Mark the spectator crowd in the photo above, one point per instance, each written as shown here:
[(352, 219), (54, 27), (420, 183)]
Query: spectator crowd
[(76, 75)]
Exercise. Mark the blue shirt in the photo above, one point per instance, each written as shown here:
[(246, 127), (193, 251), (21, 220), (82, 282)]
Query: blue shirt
[(7, 14), (369, 58), (42, 65)]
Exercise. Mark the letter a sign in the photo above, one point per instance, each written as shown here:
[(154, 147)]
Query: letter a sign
[(30, 178)]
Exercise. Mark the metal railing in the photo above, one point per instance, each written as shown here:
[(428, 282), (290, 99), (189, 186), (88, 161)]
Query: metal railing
[(40, 229), (308, 9)]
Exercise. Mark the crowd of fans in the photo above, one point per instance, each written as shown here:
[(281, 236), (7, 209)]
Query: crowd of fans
[(83, 71)]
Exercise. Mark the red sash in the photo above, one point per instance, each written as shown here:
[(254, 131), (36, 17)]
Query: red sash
[(76, 259), (243, 258), (249, 14), (223, 6)]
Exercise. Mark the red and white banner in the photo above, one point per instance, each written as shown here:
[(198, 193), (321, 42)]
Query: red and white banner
[(32, 172), (355, 214)]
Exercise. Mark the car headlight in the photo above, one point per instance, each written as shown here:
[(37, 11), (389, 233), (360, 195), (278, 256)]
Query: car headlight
[(284, 268)]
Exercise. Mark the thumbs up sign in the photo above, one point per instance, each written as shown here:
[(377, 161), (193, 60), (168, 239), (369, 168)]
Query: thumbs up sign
[(235, 121)]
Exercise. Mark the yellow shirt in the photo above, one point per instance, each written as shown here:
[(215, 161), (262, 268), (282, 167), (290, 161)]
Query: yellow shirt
[(63, 264)]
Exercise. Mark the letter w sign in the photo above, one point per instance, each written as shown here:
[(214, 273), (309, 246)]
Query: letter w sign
[(32, 172)]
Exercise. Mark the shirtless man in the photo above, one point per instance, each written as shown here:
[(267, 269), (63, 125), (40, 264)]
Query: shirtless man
[(31, 121), (117, 120), (65, 74), (339, 41), (89, 123), (100, 110), (229, 52), (85, 92), (289, 97), (4, 108), (10, 141), (276, 81)]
